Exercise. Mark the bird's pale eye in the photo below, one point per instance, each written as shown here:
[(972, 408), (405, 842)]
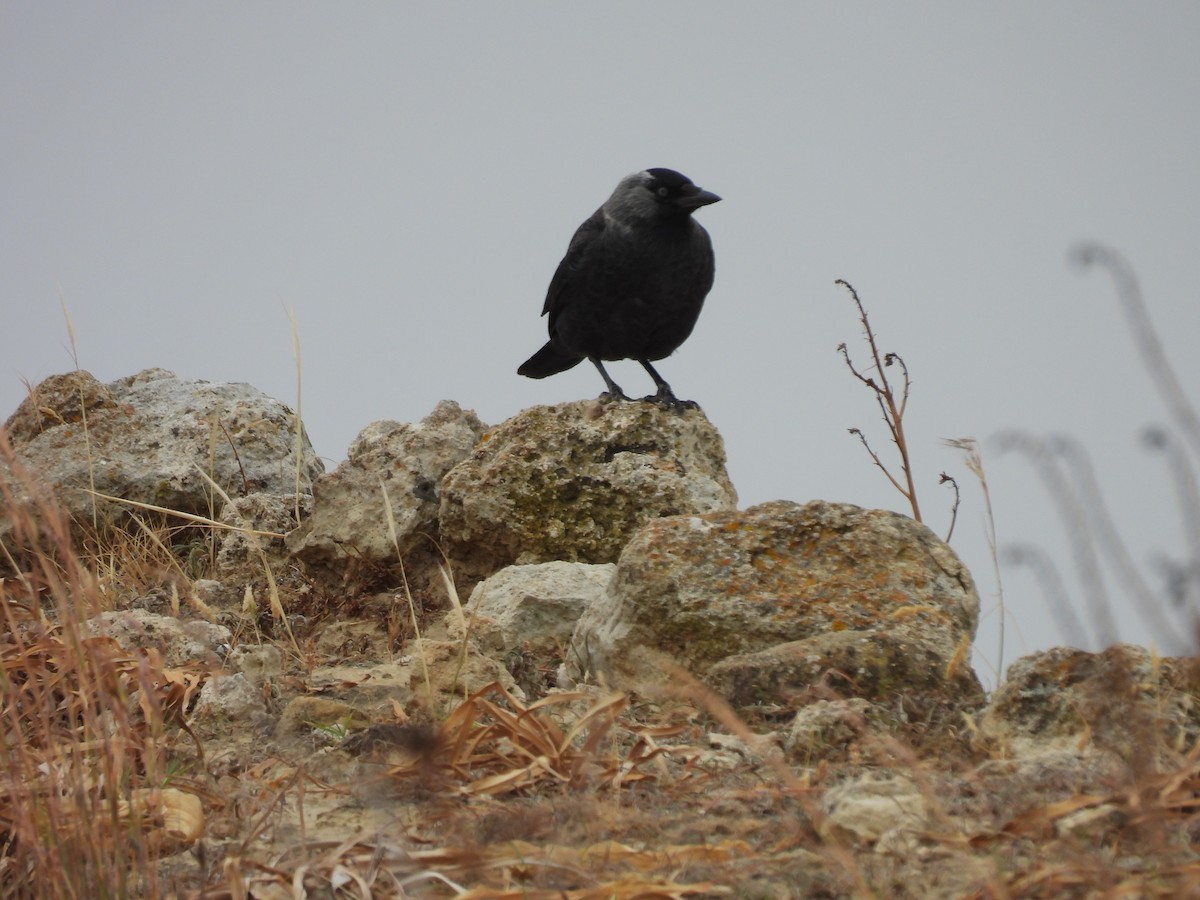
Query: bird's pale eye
[(662, 191)]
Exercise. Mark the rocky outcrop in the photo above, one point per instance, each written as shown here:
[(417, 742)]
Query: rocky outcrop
[(156, 438), (769, 603), (839, 636), (573, 482)]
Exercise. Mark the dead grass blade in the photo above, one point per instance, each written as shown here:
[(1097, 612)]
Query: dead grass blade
[(493, 745)]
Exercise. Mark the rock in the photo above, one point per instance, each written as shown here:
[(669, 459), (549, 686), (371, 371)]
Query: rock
[(573, 482), (348, 530), (1124, 701), (60, 401), (868, 592), (323, 717), (883, 809), (179, 641), (258, 662), (373, 688), (897, 660), (534, 607), (226, 698), (445, 672), (241, 555), (756, 748), (149, 437), (524, 616), (831, 730)]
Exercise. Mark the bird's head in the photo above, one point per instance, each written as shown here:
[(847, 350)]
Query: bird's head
[(657, 194)]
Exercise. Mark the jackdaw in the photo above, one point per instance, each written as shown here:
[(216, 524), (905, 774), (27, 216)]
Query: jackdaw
[(632, 283)]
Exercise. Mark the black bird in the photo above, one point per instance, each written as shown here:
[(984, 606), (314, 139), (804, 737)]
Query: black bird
[(632, 283)]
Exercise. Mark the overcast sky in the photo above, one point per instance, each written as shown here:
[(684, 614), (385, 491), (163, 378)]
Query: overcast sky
[(406, 178)]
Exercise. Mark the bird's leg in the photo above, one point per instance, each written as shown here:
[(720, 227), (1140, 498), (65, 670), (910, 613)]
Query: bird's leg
[(665, 395), (614, 389)]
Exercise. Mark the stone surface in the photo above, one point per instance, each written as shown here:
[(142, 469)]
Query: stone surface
[(858, 761), (178, 640), (322, 715), (867, 588), (1125, 701), (240, 557), (573, 482), (534, 607), (258, 662), (152, 438), (349, 529), (445, 672), (831, 730), (883, 809), (899, 659), (231, 698)]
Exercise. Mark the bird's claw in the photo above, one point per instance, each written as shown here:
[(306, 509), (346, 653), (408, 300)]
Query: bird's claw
[(666, 398), (614, 397)]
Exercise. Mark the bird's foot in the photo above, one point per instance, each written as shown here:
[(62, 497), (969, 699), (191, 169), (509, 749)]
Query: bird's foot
[(614, 397), (666, 397)]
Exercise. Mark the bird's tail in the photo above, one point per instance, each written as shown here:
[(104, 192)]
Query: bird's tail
[(548, 361)]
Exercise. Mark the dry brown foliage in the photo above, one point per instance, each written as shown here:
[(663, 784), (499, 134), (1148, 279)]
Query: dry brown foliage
[(84, 805), (492, 744)]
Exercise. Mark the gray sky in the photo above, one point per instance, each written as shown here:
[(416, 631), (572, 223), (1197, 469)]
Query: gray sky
[(407, 177)]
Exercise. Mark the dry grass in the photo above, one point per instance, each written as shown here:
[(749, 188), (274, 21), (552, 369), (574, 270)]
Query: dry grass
[(85, 807)]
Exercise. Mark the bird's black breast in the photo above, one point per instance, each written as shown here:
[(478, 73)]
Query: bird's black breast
[(629, 291)]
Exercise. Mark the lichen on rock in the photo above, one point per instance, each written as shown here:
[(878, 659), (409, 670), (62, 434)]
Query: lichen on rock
[(573, 482)]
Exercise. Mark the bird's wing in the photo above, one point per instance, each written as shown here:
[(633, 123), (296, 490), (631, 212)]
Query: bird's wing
[(585, 237)]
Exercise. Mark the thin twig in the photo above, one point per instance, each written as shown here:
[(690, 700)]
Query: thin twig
[(948, 479), (974, 460), (891, 411), (236, 458), (1114, 550), (1149, 345), (1076, 523)]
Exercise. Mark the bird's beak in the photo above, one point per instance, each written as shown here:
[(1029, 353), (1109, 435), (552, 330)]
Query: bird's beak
[(692, 197)]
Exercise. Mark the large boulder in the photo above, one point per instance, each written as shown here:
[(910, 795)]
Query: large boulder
[(769, 603), (349, 531), (155, 438), (573, 482)]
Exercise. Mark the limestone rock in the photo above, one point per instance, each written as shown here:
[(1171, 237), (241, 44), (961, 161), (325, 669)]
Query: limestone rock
[(231, 698), (883, 809), (1124, 701), (573, 482), (149, 437), (865, 585), (535, 607), (371, 687), (322, 717), (180, 641), (349, 523), (240, 557), (897, 659), (444, 672), (258, 662), (831, 730)]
